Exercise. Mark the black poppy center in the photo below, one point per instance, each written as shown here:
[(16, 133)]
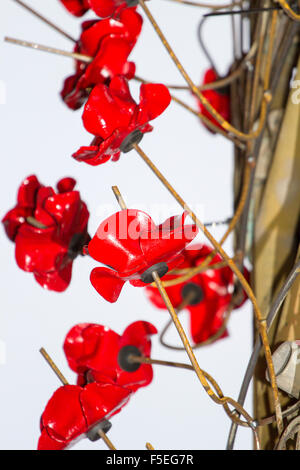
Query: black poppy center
[(124, 358), (193, 292), (133, 138), (93, 433), (160, 268), (76, 244)]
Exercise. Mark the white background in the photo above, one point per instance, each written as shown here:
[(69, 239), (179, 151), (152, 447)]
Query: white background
[(38, 135)]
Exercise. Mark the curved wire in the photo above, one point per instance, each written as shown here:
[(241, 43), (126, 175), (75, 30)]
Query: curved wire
[(211, 340), (204, 47)]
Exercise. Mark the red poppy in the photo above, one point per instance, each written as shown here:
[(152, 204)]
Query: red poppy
[(93, 352), (102, 8), (130, 243), (212, 290), (113, 117), (73, 411), (49, 230), (219, 99), (109, 42)]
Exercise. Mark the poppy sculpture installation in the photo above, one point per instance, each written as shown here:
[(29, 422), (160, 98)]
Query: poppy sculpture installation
[(49, 228)]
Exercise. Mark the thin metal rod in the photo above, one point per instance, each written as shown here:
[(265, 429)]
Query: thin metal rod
[(203, 46), (149, 360), (52, 50), (257, 347), (119, 197), (45, 20), (261, 323), (240, 12), (218, 222), (54, 366), (210, 340), (207, 5), (106, 440)]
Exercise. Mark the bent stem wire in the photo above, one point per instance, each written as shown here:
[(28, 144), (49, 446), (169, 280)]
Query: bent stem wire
[(210, 340)]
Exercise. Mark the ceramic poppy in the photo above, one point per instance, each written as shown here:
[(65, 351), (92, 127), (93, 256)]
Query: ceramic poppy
[(219, 99), (49, 230), (130, 243), (113, 117), (213, 289), (73, 412), (102, 8), (93, 353), (109, 42)]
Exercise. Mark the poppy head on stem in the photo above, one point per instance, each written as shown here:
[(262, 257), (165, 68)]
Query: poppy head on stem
[(93, 352), (73, 412), (112, 116), (132, 245)]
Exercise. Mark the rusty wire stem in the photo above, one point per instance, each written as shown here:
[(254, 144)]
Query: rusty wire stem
[(52, 50), (54, 366), (119, 197), (105, 439)]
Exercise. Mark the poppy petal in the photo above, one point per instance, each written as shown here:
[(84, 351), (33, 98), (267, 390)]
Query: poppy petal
[(107, 283)]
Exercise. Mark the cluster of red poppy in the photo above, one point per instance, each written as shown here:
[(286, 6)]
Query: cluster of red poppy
[(50, 229)]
